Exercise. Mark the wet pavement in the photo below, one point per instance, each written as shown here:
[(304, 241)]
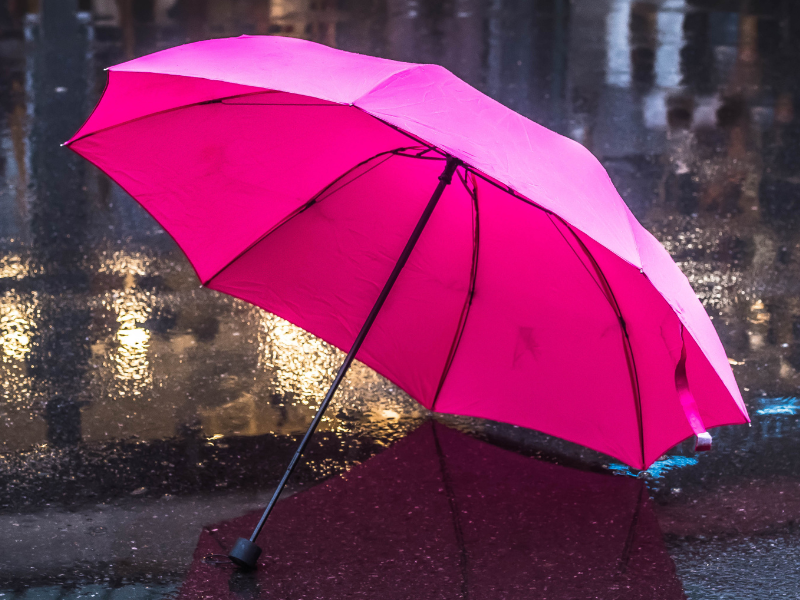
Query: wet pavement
[(137, 408), (415, 522)]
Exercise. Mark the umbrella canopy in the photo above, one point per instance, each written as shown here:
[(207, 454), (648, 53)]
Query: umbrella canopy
[(291, 174), (442, 515)]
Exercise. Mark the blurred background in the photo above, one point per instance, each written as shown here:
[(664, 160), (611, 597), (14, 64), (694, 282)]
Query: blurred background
[(126, 391)]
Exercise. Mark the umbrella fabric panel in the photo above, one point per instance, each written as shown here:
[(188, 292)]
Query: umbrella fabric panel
[(130, 96), (323, 269), (417, 329), (554, 171), (706, 389), (541, 346), (655, 345), (656, 337), (273, 62), (668, 279), (201, 170)]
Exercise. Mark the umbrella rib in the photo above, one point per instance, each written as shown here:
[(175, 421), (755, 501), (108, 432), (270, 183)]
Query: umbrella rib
[(605, 287), (308, 204), (173, 109), (629, 358), (462, 322), (405, 133), (242, 95), (580, 260), (508, 190)]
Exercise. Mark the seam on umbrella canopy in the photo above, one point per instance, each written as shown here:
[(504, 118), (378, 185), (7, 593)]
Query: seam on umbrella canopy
[(608, 294), (473, 192), (223, 72), (79, 135), (321, 195)]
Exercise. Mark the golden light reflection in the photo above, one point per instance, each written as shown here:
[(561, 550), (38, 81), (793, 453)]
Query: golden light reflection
[(16, 326), (130, 360), (787, 371), (302, 368), (13, 267), (759, 315), (302, 365), (134, 338), (124, 263), (758, 319)]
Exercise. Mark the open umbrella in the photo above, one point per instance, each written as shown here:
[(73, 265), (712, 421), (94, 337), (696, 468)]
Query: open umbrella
[(442, 515), (299, 178)]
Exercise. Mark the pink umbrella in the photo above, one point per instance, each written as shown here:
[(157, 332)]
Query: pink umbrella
[(294, 175)]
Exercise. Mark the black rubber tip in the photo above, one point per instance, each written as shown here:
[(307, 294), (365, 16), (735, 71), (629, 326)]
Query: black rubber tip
[(245, 553)]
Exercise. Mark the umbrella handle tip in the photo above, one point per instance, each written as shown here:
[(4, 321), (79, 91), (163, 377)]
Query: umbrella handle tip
[(245, 554), (703, 443)]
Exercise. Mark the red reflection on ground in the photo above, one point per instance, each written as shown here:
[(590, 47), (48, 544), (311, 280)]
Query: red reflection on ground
[(442, 515)]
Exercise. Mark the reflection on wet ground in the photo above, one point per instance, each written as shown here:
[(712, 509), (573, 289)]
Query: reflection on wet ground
[(137, 408), (441, 515)]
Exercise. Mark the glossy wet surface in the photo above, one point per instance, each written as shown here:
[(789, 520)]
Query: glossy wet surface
[(416, 522), (137, 408)]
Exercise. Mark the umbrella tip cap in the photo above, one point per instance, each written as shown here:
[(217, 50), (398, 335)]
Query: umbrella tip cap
[(245, 554), (703, 443)]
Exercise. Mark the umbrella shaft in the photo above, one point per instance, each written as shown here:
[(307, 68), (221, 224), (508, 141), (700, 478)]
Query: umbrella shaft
[(444, 180)]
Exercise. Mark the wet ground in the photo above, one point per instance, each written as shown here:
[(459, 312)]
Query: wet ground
[(137, 408)]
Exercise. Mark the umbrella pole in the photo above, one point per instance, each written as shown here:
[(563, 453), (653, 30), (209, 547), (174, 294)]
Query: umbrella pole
[(245, 552)]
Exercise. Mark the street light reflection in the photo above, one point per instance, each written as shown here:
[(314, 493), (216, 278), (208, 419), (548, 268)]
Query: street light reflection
[(301, 364), (14, 267), (130, 356), (124, 263), (16, 325)]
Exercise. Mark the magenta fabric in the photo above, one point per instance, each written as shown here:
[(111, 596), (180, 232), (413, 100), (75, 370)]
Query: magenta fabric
[(446, 516), (292, 174)]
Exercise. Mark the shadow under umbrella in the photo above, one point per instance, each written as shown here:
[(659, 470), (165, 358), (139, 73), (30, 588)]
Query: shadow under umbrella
[(442, 515)]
